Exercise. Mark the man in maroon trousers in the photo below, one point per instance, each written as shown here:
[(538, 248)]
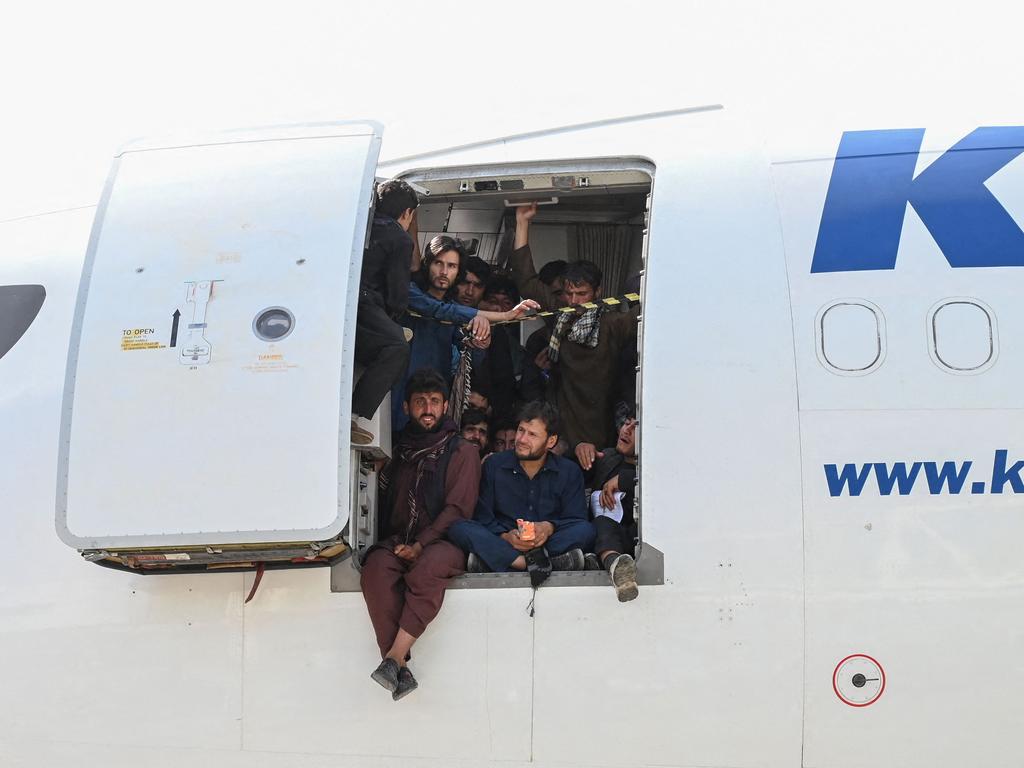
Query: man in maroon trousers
[(432, 481)]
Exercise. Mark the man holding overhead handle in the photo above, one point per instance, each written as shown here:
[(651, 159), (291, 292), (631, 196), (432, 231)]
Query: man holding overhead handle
[(585, 347)]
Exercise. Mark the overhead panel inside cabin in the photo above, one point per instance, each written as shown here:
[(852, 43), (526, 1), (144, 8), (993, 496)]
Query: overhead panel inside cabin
[(210, 371)]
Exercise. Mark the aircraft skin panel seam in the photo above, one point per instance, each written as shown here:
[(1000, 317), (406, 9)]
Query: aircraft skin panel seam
[(229, 142), (800, 453), (67, 403), (29, 216), (553, 131)]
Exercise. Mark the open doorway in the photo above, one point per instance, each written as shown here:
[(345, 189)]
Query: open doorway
[(588, 210)]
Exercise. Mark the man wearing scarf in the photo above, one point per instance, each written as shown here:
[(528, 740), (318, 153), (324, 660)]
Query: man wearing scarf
[(584, 350), (432, 481)]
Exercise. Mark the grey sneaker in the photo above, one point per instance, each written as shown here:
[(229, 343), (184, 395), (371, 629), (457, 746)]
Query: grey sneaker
[(591, 563), (386, 674), (569, 561), (407, 332), (474, 564), (622, 571), (406, 684)]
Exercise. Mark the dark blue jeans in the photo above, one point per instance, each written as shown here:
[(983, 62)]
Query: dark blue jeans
[(498, 554)]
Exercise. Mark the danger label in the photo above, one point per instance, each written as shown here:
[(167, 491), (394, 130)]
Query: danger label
[(139, 338), (272, 363)]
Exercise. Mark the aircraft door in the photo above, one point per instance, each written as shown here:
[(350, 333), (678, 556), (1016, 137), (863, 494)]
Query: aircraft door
[(210, 370)]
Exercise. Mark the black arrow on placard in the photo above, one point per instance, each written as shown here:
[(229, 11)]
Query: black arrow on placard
[(174, 328)]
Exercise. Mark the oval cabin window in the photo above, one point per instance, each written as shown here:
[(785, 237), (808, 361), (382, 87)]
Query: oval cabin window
[(850, 337), (963, 336)]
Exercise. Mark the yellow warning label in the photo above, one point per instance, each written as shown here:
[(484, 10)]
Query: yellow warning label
[(127, 345), (139, 338)]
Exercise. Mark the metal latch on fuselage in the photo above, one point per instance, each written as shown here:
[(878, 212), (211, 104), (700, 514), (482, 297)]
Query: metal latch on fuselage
[(196, 349)]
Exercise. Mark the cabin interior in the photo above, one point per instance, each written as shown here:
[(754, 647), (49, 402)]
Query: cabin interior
[(586, 211)]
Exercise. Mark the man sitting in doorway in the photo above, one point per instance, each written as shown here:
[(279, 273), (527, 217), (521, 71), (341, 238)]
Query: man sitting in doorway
[(613, 478), (532, 484), (431, 482), (585, 348)]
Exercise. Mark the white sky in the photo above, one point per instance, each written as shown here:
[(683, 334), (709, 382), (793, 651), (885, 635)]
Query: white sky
[(80, 79)]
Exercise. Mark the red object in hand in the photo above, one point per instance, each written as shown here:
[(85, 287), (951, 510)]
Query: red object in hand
[(527, 529)]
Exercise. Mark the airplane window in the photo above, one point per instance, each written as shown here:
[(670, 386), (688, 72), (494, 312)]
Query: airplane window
[(963, 337), (19, 305), (273, 324), (850, 337)]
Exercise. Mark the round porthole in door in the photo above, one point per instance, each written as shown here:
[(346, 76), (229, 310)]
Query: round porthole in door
[(273, 324)]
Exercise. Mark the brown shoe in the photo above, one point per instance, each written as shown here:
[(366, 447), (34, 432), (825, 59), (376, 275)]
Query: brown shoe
[(361, 436)]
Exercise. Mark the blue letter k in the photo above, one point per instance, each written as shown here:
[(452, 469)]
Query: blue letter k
[(873, 180)]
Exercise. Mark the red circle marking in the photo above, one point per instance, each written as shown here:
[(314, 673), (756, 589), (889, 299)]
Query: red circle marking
[(835, 673)]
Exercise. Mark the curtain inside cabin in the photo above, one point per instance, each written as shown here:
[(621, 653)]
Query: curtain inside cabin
[(608, 246)]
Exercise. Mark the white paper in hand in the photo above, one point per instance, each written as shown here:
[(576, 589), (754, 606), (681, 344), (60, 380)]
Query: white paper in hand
[(615, 513)]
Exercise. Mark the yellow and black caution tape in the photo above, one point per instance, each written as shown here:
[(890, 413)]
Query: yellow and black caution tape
[(623, 302)]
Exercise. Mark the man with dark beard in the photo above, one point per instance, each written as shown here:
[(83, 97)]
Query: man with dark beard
[(531, 484), (584, 350), (437, 333), (475, 427), (432, 481)]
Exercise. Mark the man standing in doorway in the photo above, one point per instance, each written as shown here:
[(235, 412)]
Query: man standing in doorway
[(584, 350), (475, 276), (432, 481), (436, 345), (381, 344), (475, 428)]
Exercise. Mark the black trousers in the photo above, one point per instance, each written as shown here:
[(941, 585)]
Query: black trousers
[(614, 536), (382, 348)]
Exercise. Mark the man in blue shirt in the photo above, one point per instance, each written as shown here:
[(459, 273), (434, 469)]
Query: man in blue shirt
[(432, 293), (532, 484)]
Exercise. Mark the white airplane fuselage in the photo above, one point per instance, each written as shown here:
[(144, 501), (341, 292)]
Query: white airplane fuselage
[(824, 603)]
